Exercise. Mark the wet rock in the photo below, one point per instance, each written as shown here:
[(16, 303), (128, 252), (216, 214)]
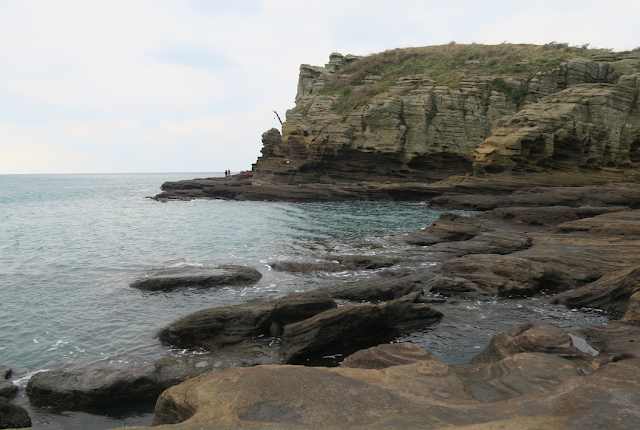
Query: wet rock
[(352, 325), (364, 262), (633, 312), (13, 416), (374, 290), (8, 390), (517, 375), (306, 266), (383, 356), (448, 286), (611, 292), (216, 327), (69, 390), (5, 372), (196, 277), (536, 336)]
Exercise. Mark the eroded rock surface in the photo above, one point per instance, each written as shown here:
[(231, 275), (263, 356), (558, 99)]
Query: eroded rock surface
[(360, 325)]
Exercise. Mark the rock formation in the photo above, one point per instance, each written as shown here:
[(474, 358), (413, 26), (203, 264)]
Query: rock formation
[(360, 130), (582, 113)]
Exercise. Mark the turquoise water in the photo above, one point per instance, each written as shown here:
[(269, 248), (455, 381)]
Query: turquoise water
[(70, 245)]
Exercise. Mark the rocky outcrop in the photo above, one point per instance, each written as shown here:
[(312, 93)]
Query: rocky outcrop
[(402, 386), (581, 113), (197, 277), (360, 325), (611, 292), (537, 336), (217, 327), (588, 126)]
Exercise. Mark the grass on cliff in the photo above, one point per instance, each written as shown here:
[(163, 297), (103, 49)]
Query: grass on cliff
[(447, 65)]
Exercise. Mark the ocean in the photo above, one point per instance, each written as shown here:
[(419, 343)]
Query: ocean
[(70, 246)]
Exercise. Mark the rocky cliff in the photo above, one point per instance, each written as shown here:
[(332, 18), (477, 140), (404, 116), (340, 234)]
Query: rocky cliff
[(463, 109)]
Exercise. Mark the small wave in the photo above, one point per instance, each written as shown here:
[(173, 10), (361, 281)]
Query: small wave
[(22, 382)]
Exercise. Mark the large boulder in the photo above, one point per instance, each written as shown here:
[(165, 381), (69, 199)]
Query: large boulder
[(72, 389), (13, 416), (349, 326), (197, 277), (536, 336), (216, 327), (611, 292), (282, 396)]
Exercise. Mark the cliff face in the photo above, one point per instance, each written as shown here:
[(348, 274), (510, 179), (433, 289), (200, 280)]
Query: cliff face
[(582, 112)]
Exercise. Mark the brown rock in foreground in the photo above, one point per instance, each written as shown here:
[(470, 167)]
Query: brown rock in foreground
[(403, 387), (537, 336)]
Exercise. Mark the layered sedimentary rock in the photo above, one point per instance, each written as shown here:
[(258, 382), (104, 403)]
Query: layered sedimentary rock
[(581, 113)]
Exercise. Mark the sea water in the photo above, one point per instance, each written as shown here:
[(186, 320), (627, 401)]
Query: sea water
[(70, 246)]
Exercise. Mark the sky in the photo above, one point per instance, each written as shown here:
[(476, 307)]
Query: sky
[(128, 86)]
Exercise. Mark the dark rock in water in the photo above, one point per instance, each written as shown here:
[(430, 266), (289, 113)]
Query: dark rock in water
[(13, 416), (5, 372), (611, 292), (514, 376), (306, 266), (183, 277), (216, 327), (374, 290), (351, 325), (536, 336), (146, 381), (364, 262), (387, 355), (8, 390), (338, 264)]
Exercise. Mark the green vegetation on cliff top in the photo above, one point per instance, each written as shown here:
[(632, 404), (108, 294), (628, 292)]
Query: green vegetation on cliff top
[(447, 65)]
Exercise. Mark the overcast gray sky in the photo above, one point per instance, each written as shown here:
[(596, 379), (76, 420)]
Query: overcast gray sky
[(190, 85)]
